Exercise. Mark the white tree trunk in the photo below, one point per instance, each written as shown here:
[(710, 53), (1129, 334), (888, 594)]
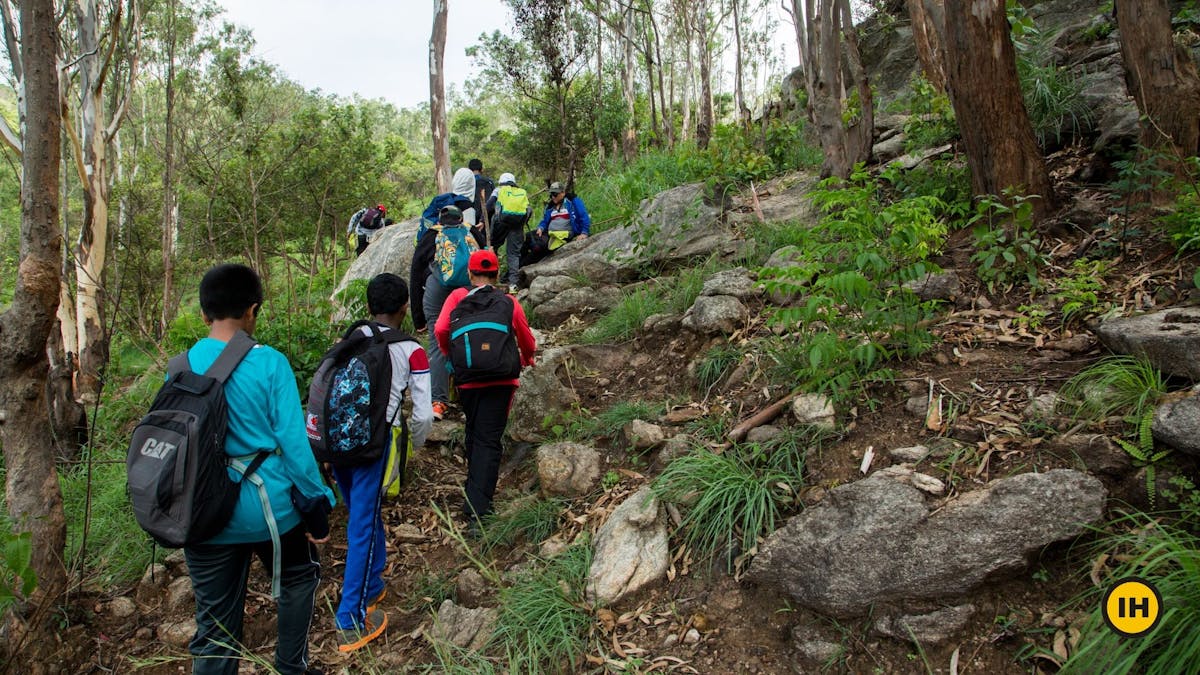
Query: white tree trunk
[(437, 97)]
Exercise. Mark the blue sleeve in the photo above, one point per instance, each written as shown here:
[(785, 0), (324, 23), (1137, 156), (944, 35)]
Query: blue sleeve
[(287, 426), (545, 221), (583, 222)]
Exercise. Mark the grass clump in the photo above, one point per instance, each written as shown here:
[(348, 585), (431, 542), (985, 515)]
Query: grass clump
[(716, 363), (1116, 385), (430, 590), (626, 318), (729, 501), (544, 617), (532, 518), (1169, 558)]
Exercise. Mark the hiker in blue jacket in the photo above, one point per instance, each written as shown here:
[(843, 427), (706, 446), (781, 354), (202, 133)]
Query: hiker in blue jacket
[(264, 414), (565, 219)]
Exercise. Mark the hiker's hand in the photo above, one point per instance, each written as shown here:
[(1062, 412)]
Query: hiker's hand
[(322, 540), (539, 232), (581, 237)]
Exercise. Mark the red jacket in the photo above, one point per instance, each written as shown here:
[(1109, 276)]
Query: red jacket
[(526, 344)]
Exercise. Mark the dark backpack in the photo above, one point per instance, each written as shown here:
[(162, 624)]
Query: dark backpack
[(177, 467), (482, 344), (346, 420), (430, 215), (372, 219)]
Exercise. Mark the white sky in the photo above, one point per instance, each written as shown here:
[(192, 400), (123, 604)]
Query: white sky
[(377, 48), (380, 48)]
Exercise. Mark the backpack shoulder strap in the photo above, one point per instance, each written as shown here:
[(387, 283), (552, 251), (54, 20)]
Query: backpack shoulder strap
[(231, 356), (349, 333), (178, 364)]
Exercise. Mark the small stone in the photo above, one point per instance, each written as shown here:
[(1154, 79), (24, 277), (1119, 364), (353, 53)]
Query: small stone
[(917, 406), (156, 575), (144, 633), (675, 447), (470, 588), (1042, 407), (912, 454), (671, 640), (552, 547), (814, 409), (407, 533), (763, 434), (682, 415), (122, 608), (179, 592), (926, 483), (691, 637), (641, 435), (177, 634)]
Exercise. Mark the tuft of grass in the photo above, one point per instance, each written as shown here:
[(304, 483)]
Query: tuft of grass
[(715, 364), (1124, 385), (430, 590), (532, 518), (729, 502), (544, 617), (624, 320), (787, 454), (1169, 558)]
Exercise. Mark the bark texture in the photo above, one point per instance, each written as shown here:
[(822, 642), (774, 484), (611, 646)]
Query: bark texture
[(1161, 77), (437, 97), (928, 26), (981, 72), (32, 492)]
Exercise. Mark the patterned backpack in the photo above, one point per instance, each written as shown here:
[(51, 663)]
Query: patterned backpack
[(346, 419), (452, 250)]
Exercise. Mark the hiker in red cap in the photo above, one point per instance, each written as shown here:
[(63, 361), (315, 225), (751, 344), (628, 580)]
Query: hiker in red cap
[(486, 338)]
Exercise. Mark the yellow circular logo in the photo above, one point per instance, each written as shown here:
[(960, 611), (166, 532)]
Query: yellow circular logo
[(1132, 607)]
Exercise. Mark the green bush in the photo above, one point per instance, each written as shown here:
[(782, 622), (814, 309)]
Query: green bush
[(1116, 385), (1169, 558), (531, 518), (1053, 97), (1006, 242), (17, 578)]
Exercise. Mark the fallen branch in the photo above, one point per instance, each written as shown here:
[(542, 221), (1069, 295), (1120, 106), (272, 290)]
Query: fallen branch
[(760, 418)]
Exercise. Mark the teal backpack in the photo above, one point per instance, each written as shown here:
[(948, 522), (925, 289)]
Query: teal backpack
[(452, 251)]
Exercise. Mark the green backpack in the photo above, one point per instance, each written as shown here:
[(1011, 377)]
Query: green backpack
[(512, 200)]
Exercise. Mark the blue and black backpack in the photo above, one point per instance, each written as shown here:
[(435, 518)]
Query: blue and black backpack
[(482, 344), (346, 419), (429, 216)]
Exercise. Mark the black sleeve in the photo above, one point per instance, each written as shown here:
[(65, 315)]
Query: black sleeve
[(417, 273)]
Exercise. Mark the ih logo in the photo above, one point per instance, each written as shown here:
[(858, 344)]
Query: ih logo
[(1132, 607), (156, 448)]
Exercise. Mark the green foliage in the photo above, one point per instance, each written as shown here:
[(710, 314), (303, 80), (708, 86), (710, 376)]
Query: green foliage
[(532, 518), (931, 122), (543, 622), (1183, 222), (1078, 293), (17, 578), (1116, 385), (856, 317), (626, 318), (716, 363), (948, 181), (1138, 176), (1143, 452), (1053, 97), (730, 499), (1006, 242), (430, 589), (1169, 558)]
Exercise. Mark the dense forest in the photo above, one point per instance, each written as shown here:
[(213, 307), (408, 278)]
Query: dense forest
[(144, 142)]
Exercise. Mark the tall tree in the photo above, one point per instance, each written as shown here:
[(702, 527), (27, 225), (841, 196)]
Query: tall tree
[(437, 96), (31, 483), (105, 51), (170, 214), (928, 24), (981, 77), (1161, 76), (840, 104)]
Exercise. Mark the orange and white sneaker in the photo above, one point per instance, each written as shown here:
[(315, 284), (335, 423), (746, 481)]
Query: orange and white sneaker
[(351, 639), (374, 602), (439, 410)]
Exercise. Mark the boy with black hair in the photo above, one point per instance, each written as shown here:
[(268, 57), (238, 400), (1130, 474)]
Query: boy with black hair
[(264, 416), (484, 186), (359, 620), (485, 401)]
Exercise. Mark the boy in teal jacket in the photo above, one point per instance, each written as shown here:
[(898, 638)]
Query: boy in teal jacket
[(264, 415)]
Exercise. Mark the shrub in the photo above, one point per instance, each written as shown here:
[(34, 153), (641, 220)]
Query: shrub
[(533, 518), (1124, 385), (1006, 242)]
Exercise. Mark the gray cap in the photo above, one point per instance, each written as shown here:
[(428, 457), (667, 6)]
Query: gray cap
[(557, 187), (450, 215)]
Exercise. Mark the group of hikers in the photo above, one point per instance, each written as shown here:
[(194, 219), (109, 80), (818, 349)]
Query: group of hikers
[(497, 215), (272, 461)]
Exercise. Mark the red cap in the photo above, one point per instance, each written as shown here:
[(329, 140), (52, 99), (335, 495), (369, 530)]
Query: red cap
[(382, 208), (483, 262)]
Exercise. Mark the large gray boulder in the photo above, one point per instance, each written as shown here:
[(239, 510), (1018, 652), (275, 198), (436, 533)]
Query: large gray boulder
[(568, 469), (631, 549), (390, 251), (735, 282), (671, 227), (1177, 424), (716, 314), (1169, 339), (877, 541), (577, 302), (545, 288), (545, 391)]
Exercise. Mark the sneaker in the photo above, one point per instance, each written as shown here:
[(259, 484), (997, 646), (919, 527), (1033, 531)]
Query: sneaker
[(350, 639), (374, 602), (512, 289), (439, 410)]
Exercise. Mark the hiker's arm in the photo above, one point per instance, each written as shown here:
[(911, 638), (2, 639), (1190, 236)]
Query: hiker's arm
[(441, 328), (545, 221), (417, 273), (526, 343), (583, 221), (419, 390), (287, 427)]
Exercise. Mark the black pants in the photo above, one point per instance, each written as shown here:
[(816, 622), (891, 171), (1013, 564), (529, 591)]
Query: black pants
[(219, 573), (486, 410), (362, 244)]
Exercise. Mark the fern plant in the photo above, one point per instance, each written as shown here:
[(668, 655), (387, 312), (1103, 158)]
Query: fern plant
[(1143, 453)]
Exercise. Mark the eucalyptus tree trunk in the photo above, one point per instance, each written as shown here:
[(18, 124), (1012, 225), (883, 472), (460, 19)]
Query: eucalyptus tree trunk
[(32, 492), (704, 128), (437, 97), (629, 138), (98, 38), (170, 222), (668, 133), (648, 54), (981, 77), (1161, 77), (739, 90), (928, 26), (599, 8)]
